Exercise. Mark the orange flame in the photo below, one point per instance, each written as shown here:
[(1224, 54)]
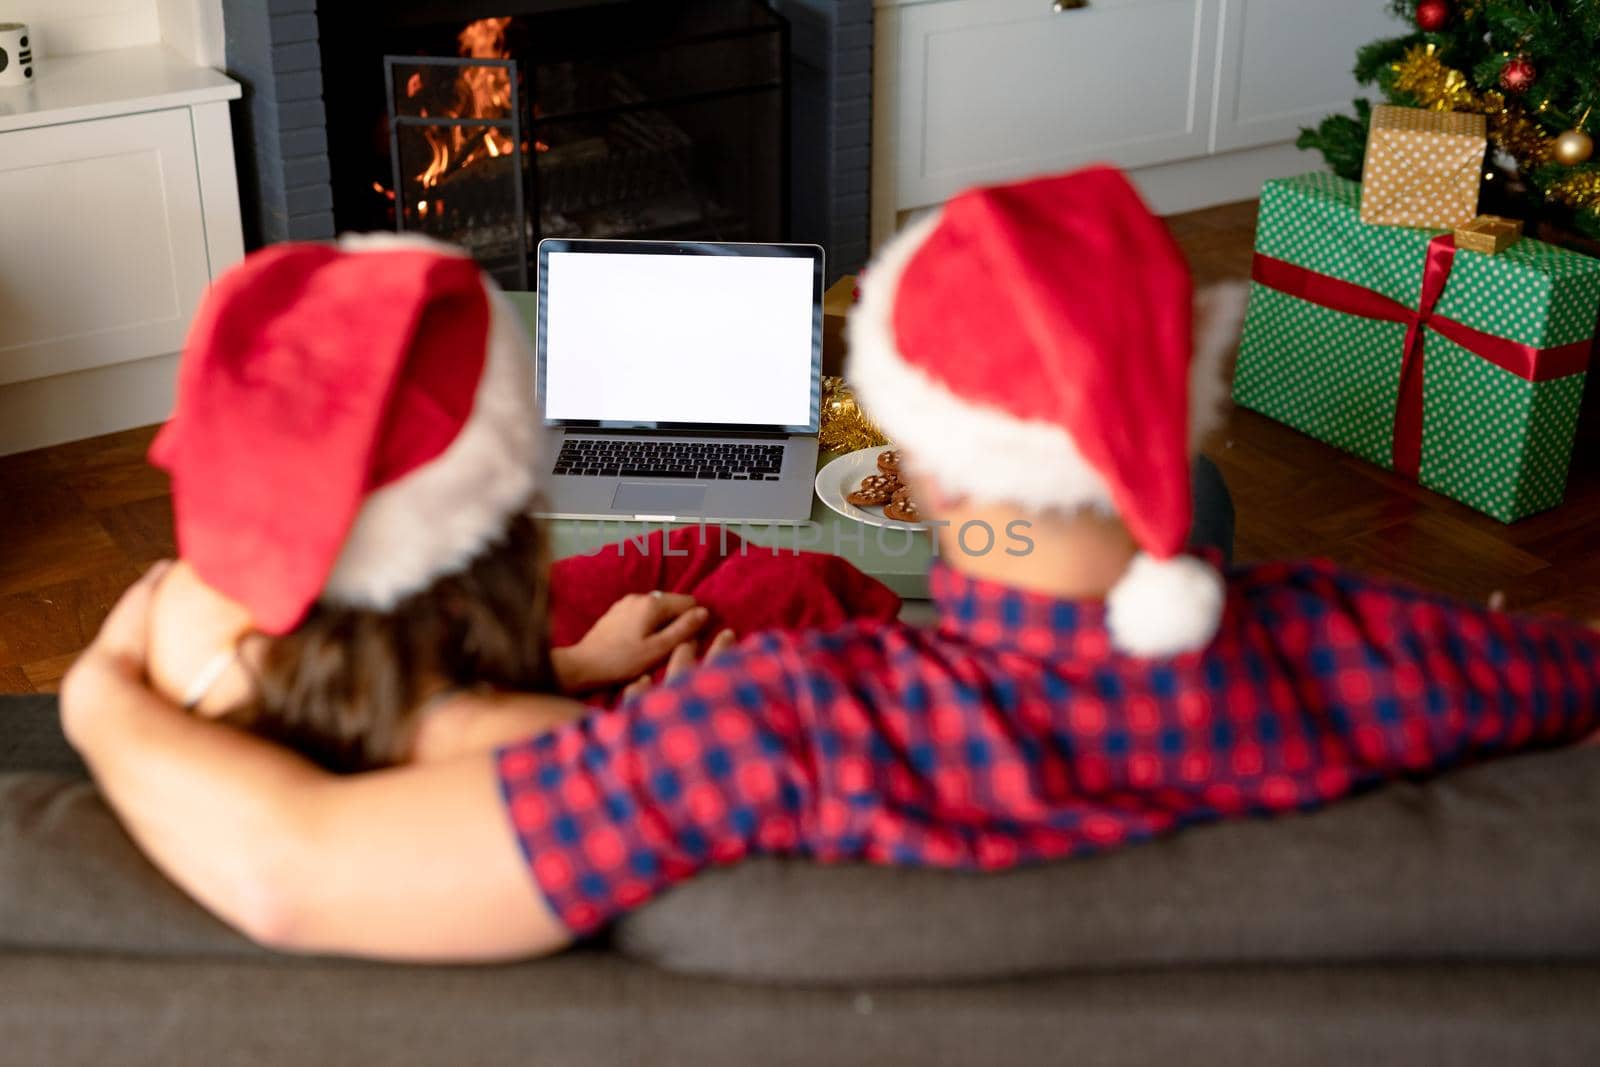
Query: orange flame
[(481, 92)]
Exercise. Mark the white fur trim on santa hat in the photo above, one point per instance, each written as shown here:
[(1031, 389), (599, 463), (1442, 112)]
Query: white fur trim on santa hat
[(1218, 318), (971, 450), (1164, 607), (434, 520), (961, 443)]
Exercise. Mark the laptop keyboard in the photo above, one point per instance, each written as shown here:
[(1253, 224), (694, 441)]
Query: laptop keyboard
[(701, 460)]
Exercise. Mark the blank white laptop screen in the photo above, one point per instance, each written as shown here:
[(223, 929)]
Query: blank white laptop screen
[(643, 338)]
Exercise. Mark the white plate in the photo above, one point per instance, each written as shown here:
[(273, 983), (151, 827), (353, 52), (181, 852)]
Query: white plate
[(843, 476)]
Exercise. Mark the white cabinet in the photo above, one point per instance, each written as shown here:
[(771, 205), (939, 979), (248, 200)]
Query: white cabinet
[(1284, 64), (109, 258), (971, 91), (1002, 87), (120, 206)]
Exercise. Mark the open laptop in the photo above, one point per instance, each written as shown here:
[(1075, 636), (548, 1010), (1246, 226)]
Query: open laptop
[(681, 378)]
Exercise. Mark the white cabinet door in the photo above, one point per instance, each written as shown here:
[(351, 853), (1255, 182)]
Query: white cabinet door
[(1284, 64), (987, 90), (102, 243)]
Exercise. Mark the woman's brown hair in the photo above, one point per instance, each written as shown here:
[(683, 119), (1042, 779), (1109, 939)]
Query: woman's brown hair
[(343, 687)]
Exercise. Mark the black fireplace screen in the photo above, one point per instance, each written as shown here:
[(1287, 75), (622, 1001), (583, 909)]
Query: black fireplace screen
[(455, 150), (670, 123)]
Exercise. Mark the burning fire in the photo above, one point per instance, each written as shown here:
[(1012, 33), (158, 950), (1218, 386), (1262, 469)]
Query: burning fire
[(481, 92)]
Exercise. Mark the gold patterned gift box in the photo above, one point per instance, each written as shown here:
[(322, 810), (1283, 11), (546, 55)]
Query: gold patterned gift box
[(1422, 167)]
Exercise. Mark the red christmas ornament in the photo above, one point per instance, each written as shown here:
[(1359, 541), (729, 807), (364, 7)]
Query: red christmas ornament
[(1432, 15), (1517, 75)]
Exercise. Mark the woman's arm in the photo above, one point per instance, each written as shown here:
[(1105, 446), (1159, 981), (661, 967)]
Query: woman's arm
[(414, 863)]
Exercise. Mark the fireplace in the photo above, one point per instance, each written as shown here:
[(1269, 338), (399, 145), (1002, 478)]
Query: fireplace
[(493, 123), (637, 120)]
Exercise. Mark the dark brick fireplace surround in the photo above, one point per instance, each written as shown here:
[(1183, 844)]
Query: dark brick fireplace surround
[(272, 48)]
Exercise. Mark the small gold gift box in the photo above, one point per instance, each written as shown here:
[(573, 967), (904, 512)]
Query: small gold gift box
[(1489, 234)]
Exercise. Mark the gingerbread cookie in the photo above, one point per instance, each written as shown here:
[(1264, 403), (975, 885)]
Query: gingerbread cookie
[(889, 462), (901, 507), (876, 490)]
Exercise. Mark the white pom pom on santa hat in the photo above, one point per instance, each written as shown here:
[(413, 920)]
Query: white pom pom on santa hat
[(352, 422), (1035, 344), (1164, 606)]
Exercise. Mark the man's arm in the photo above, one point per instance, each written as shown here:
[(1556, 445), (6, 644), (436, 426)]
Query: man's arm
[(415, 863)]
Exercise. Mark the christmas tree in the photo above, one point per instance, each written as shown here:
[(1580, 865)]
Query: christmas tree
[(1529, 66)]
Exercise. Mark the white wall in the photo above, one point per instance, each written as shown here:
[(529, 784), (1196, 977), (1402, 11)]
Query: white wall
[(193, 27), (62, 27)]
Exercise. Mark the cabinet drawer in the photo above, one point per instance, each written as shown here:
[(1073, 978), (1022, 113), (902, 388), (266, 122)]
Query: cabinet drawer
[(102, 243), (1285, 64), (988, 90)]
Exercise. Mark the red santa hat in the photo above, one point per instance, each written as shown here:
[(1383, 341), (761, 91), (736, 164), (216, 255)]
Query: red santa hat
[(352, 422), (1034, 344)]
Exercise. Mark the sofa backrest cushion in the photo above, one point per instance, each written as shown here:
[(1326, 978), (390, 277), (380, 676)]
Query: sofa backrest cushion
[(71, 879), (1495, 862), (31, 737)]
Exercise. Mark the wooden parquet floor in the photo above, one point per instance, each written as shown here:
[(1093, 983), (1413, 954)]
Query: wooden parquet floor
[(80, 521)]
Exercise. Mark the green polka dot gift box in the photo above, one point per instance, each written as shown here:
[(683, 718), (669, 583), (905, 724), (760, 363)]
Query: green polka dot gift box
[(1460, 370)]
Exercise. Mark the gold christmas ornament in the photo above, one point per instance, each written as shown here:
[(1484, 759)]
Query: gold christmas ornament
[(1574, 147), (845, 427)]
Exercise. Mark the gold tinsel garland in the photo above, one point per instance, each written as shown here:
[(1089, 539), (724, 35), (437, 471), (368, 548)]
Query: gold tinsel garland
[(845, 427), (1579, 189), (1511, 129), (1424, 76)]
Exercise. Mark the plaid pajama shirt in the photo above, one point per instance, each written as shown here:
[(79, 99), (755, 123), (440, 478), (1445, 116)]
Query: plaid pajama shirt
[(1014, 733)]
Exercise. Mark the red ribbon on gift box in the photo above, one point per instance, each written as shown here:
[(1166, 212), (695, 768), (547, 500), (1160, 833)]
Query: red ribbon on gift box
[(1525, 361)]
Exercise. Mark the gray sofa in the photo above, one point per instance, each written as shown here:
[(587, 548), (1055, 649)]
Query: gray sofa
[(1449, 922)]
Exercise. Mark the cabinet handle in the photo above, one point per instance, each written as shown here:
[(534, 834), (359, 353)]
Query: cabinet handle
[(1068, 5)]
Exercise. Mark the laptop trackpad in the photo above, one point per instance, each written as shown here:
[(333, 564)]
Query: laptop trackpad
[(642, 498)]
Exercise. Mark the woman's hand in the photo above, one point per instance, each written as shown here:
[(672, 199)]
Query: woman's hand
[(634, 634), (682, 659)]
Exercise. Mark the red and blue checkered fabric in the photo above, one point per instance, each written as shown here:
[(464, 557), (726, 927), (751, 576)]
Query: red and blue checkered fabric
[(1014, 733)]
